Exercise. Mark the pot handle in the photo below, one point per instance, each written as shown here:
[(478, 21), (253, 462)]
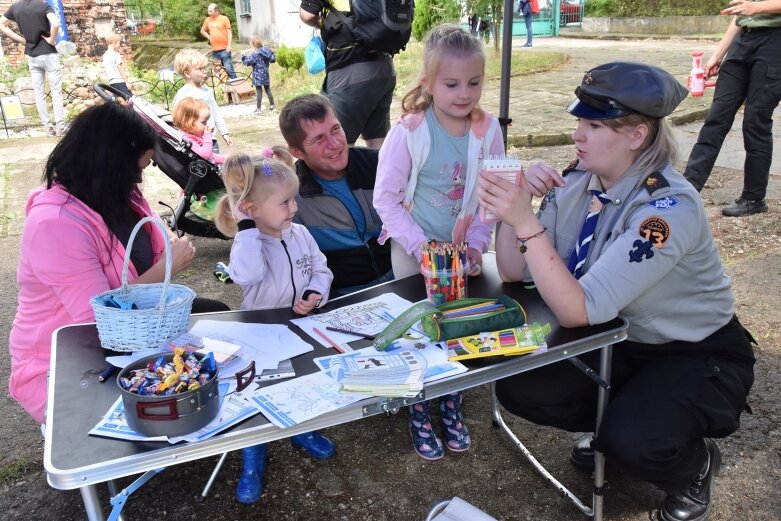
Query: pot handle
[(243, 381), (173, 413)]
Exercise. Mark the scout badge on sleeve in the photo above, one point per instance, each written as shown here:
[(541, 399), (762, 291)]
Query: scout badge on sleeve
[(655, 231)]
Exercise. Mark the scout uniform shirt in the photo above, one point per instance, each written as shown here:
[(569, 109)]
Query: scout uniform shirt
[(652, 261)]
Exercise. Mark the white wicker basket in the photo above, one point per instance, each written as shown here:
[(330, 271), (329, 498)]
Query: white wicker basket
[(163, 308)]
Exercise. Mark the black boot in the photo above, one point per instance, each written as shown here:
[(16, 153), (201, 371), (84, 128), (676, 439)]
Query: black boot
[(582, 455), (693, 503), (743, 207)]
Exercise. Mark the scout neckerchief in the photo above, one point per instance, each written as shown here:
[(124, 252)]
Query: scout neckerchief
[(578, 259)]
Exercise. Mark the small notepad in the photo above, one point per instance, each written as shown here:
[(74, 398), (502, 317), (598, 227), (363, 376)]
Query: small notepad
[(508, 167)]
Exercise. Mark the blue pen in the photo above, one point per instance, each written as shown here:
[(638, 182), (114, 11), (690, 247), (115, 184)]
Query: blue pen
[(106, 373)]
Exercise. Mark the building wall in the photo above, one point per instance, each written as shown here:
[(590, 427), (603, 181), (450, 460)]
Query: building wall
[(275, 21), (88, 22)]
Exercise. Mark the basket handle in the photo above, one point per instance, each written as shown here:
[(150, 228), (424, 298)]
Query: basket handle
[(168, 262)]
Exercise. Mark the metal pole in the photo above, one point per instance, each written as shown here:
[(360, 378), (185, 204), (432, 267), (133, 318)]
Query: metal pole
[(504, 82), (5, 123), (603, 397)]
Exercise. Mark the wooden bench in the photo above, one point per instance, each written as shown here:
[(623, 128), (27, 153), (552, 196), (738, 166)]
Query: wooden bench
[(236, 90)]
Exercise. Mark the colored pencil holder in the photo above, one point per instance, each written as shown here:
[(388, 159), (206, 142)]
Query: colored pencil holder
[(444, 285)]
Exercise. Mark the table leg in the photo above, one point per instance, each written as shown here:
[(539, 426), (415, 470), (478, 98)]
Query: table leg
[(603, 396), (499, 421), (213, 476), (112, 491), (89, 495)]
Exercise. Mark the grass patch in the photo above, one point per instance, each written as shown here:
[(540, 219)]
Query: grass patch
[(19, 469), (408, 64)]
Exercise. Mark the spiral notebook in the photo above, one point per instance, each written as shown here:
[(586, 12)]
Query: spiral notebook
[(509, 168)]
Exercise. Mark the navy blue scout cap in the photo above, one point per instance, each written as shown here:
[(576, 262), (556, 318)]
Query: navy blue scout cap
[(617, 89)]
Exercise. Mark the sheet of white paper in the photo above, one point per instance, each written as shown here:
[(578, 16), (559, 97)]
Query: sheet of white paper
[(267, 344), (122, 361), (288, 403), (234, 409), (114, 425), (370, 317)]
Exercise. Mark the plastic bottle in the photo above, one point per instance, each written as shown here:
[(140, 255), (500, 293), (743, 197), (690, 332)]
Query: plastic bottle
[(696, 82)]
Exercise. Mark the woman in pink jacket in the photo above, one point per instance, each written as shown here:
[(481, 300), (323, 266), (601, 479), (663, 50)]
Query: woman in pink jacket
[(74, 238)]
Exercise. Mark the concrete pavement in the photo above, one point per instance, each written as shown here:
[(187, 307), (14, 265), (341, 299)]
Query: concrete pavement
[(538, 102)]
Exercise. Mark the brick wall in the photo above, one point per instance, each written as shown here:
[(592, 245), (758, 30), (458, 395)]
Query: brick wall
[(87, 21)]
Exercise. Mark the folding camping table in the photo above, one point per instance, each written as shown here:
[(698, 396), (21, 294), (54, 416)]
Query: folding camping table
[(74, 459)]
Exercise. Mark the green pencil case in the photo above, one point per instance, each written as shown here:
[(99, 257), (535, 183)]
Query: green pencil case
[(437, 327)]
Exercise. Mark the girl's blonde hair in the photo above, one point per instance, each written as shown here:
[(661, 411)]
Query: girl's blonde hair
[(442, 42), (186, 59), (660, 146), (256, 42), (247, 177), (187, 112)]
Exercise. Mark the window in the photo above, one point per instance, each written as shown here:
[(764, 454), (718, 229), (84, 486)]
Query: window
[(246, 9)]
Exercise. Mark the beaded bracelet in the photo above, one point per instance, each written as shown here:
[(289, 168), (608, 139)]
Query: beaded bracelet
[(521, 241)]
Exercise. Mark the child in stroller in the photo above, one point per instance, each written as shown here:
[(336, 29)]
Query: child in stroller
[(199, 178), (191, 117)]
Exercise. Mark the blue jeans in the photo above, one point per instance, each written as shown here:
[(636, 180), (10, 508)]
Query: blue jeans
[(227, 62), (528, 21)]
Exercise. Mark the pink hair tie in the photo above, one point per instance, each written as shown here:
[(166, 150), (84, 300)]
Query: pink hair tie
[(267, 152)]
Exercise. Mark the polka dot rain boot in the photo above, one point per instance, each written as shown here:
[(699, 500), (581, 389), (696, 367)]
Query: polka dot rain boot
[(424, 439), (457, 437)]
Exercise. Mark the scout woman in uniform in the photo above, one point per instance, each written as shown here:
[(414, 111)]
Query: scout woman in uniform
[(623, 234)]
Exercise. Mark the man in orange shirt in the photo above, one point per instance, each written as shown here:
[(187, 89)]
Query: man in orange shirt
[(217, 29)]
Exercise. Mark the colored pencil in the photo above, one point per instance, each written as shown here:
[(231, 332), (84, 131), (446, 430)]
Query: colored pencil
[(325, 337)]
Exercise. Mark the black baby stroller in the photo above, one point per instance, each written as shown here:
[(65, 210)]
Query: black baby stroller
[(199, 179)]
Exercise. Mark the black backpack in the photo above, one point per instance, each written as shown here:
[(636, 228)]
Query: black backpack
[(380, 25)]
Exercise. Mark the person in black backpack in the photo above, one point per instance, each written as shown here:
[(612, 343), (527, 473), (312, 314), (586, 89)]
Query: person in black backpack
[(359, 80)]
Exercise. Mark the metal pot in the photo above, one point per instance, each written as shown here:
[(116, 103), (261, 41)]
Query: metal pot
[(177, 414)]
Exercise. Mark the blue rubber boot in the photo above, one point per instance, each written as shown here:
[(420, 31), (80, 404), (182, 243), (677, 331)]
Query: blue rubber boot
[(457, 437), (317, 445), (424, 439), (250, 486)]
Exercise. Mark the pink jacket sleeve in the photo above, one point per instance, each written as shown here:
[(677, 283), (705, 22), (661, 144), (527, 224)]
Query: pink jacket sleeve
[(393, 172), (203, 147), (478, 233)]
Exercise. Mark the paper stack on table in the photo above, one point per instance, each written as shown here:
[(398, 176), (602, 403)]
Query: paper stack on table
[(382, 374)]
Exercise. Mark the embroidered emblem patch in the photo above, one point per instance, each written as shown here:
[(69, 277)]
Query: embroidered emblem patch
[(664, 203), (641, 249), (545, 200), (654, 182), (656, 230)]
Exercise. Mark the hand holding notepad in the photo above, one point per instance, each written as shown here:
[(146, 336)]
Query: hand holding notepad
[(507, 167)]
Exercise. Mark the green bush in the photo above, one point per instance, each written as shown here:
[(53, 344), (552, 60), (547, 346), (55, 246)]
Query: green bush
[(290, 59), (603, 8), (147, 84), (630, 8), (429, 13), (9, 73)]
